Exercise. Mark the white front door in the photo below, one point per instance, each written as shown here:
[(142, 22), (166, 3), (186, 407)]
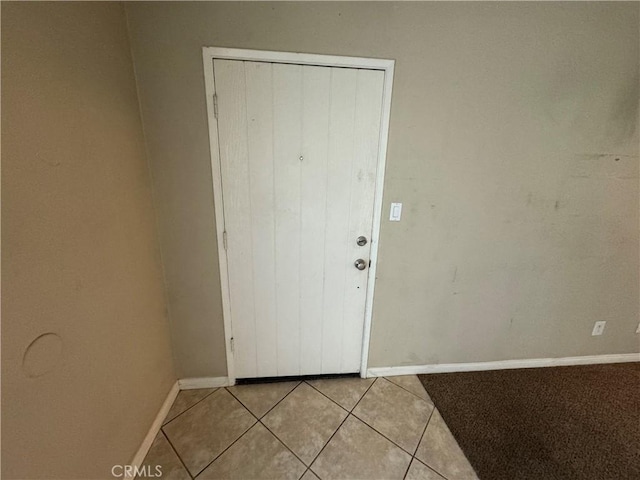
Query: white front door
[(298, 154)]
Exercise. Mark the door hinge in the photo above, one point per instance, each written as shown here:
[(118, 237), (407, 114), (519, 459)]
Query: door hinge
[(224, 240), (215, 105), (231, 342)]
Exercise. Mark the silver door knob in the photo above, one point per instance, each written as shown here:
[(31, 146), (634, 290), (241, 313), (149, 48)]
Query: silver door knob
[(362, 241), (360, 264)]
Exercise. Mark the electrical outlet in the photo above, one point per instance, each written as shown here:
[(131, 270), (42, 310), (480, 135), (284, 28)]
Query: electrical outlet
[(598, 328)]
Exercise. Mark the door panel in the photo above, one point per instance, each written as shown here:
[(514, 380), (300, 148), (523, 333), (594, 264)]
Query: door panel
[(342, 97), (234, 167), (363, 174), (287, 140), (313, 206), (259, 98), (298, 151)]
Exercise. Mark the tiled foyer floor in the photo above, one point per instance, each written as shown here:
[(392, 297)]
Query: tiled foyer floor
[(347, 428)]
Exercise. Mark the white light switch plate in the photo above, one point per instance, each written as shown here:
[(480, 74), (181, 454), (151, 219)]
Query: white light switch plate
[(396, 212), (598, 328)]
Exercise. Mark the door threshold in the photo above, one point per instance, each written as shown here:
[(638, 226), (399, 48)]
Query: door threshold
[(295, 378)]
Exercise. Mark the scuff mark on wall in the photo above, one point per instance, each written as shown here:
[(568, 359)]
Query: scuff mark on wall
[(51, 163), (623, 117)]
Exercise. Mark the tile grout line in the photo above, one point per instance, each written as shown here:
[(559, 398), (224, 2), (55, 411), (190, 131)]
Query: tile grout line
[(412, 393), (237, 439), (286, 446), (259, 420), (164, 434), (406, 472), (424, 431), (339, 427), (363, 395), (190, 407), (425, 463), (413, 457), (432, 469), (382, 434), (329, 398), (223, 451), (186, 469), (278, 438), (268, 411), (327, 443)]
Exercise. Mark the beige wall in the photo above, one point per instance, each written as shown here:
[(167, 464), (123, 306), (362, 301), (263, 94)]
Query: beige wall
[(79, 254), (513, 146)]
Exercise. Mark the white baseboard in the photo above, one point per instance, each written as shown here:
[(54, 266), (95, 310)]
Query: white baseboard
[(502, 365), (203, 382), (155, 428)]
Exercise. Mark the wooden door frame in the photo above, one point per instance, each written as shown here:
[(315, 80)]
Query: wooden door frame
[(387, 66)]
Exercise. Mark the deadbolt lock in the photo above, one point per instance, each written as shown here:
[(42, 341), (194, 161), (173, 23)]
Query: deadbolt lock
[(362, 241)]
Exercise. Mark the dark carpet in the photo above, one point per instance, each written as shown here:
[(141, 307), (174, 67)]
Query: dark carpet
[(579, 422)]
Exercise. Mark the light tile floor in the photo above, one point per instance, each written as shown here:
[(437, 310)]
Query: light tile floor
[(346, 428)]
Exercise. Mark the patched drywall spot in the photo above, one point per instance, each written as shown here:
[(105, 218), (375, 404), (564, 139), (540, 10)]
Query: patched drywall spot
[(42, 355)]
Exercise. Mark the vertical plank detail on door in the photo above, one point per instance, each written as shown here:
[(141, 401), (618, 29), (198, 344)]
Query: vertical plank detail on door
[(230, 78), (342, 113), (287, 148), (365, 154), (259, 93), (313, 201)]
